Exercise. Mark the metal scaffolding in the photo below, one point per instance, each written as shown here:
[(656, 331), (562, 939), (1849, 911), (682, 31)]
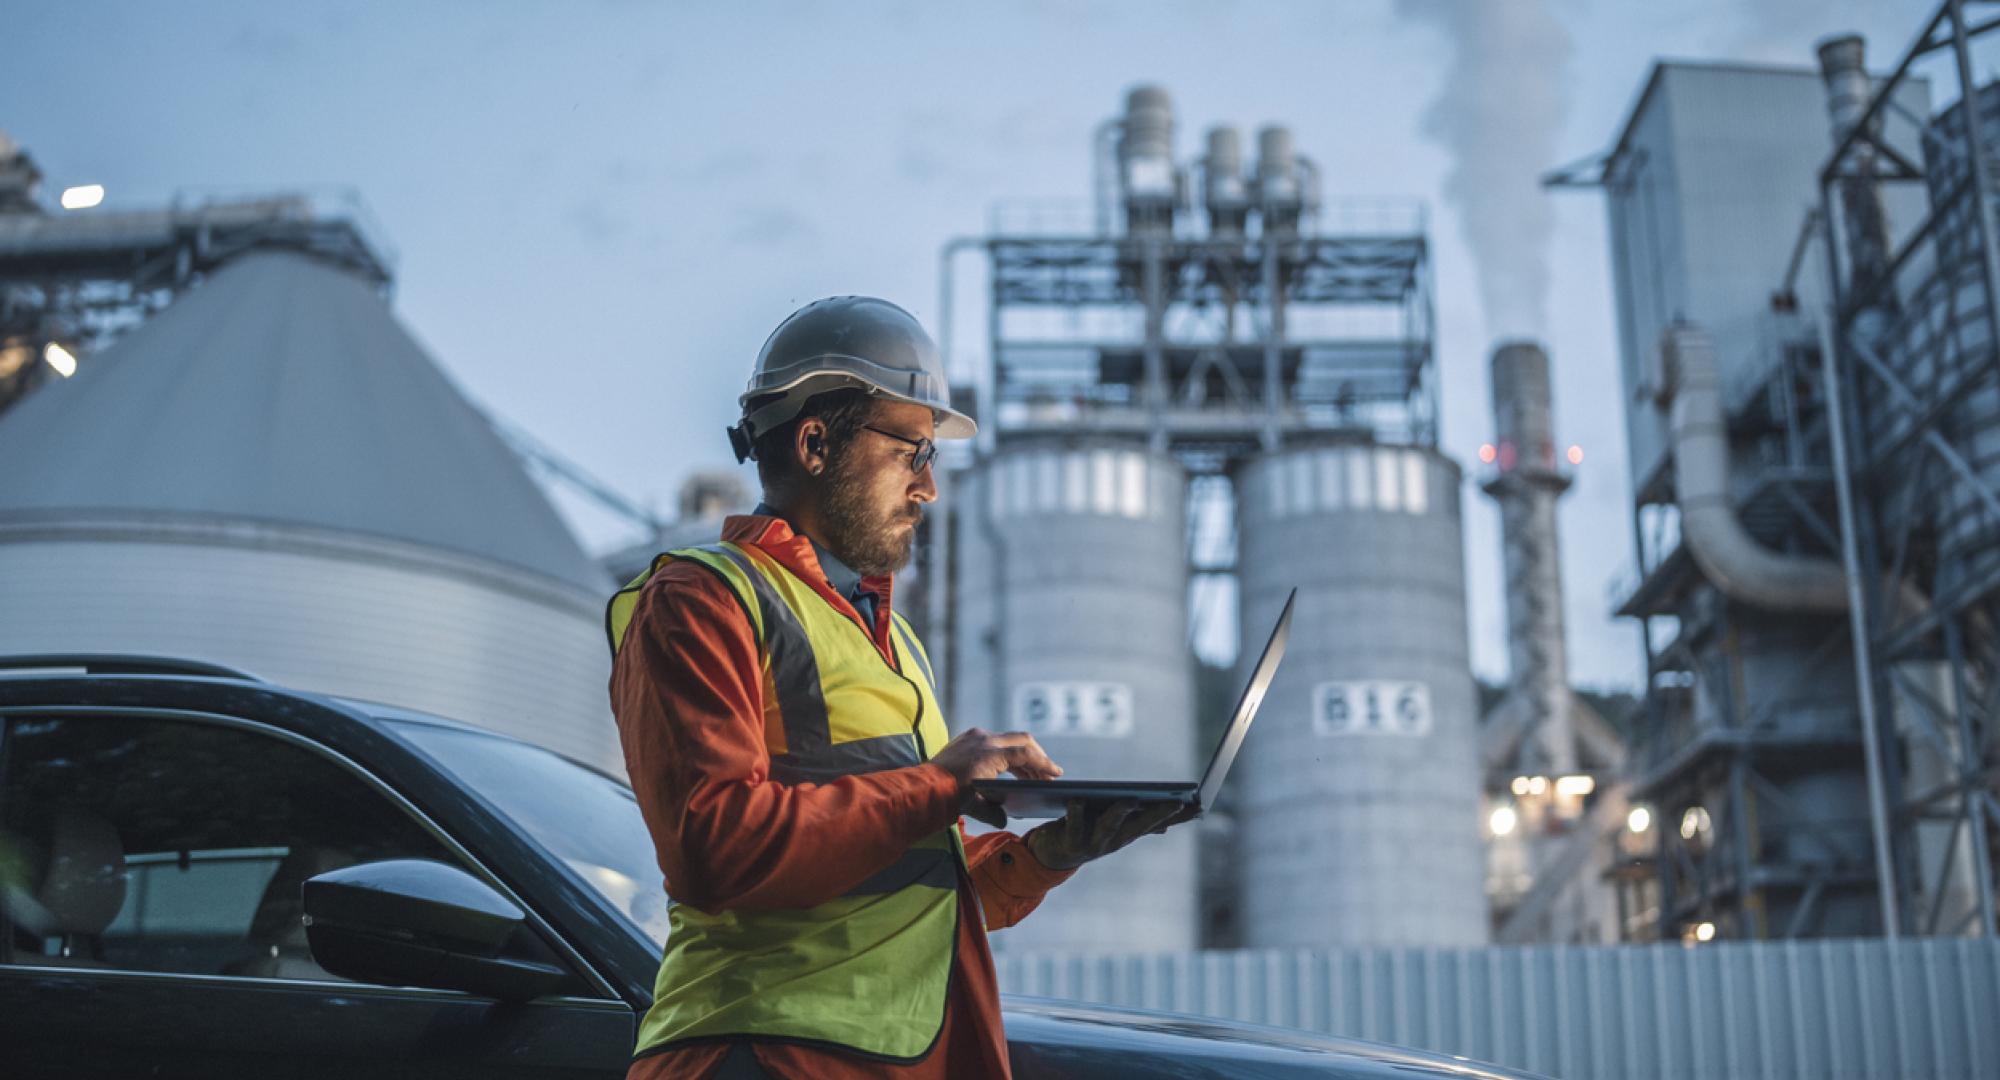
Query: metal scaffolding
[(1211, 349), (1914, 389), (79, 279)]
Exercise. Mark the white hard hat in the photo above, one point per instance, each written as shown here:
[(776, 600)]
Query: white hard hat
[(842, 342)]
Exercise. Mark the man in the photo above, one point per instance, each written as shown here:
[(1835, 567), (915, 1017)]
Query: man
[(785, 741)]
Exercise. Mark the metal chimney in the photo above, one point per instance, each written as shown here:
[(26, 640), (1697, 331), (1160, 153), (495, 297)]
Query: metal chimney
[(1280, 194), (1147, 181), (1847, 91), (1526, 484), (1223, 190)]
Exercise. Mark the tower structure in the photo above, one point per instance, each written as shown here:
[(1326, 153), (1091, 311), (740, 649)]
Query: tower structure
[(1217, 348), (1810, 378), (1553, 766)]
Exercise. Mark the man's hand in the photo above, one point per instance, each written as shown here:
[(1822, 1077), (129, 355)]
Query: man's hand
[(982, 755), (1092, 830), (977, 754)]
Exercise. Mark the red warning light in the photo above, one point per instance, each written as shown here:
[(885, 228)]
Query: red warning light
[(1576, 455), (1487, 453)]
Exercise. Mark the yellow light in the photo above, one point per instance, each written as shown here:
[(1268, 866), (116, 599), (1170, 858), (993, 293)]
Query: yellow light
[(1576, 455), (1520, 785), (15, 355), (1538, 785), (82, 197), (1694, 821), (1502, 820), (1704, 931), (60, 359), (1639, 820), (1576, 786)]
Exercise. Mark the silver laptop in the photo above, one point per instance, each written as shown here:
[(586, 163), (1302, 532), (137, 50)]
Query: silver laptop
[(1049, 798)]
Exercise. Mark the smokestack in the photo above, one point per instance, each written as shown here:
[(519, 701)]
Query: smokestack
[(1147, 181), (1223, 189), (1847, 91), (1526, 485), (1280, 191)]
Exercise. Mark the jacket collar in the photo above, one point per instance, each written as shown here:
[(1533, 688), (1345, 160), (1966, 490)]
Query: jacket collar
[(796, 552)]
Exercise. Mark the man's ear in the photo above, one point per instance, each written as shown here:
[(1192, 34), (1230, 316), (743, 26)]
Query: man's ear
[(809, 445)]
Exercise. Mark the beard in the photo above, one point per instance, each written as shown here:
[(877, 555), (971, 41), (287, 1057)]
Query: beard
[(870, 540)]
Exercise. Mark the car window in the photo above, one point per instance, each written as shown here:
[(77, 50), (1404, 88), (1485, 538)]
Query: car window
[(178, 846), (588, 820)]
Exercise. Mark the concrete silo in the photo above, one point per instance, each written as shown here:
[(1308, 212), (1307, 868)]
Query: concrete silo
[(1071, 623), (272, 475), (1358, 791)]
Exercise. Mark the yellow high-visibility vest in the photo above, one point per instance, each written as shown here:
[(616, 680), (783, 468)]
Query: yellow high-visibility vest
[(869, 970)]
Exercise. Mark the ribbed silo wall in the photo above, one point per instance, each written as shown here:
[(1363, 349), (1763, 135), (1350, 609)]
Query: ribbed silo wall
[(507, 650), (1358, 790), (1942, 345), (1069, 620)]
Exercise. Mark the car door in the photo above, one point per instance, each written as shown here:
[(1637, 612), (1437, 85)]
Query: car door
[(150, 863)]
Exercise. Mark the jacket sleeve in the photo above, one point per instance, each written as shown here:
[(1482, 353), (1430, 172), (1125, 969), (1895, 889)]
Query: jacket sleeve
[(1009, 879), (688, 692)]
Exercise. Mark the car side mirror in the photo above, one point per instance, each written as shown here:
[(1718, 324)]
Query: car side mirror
[(411, 922)]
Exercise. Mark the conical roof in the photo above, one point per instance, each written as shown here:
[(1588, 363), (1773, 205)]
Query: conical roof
[(284, 390)]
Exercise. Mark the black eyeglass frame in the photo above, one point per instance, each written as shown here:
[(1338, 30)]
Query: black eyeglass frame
[(926, 448)]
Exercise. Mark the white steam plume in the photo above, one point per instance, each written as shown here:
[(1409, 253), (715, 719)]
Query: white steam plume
[(1500, 114)]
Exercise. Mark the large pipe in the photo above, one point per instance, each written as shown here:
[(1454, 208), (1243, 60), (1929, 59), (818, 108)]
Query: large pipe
[(1731, 559), (1847, 92)]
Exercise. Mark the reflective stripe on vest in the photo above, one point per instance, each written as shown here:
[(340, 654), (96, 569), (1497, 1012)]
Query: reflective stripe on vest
[(869, 971)]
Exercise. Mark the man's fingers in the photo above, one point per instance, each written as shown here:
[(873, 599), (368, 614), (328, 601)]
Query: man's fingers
[(1026, 758)]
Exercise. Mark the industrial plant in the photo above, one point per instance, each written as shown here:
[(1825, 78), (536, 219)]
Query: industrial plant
[(1219, 347), (1204, 385), (1803, 270)]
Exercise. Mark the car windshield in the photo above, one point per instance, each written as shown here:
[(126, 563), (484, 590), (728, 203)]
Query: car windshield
[(588, 820)]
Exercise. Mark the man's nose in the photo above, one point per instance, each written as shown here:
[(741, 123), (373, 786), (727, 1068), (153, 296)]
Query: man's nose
[(925, 489)]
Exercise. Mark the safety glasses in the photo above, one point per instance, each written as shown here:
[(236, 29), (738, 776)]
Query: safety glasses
[(926, 449)]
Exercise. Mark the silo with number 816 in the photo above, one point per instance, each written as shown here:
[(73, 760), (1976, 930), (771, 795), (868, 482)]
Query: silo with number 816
[(1068, 619), (1358, 789)]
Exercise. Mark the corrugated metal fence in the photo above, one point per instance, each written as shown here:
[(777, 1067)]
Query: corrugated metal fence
[(1794, 1009)]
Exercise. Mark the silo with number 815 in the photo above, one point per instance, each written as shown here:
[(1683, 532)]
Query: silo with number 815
[(1068, 619), (1358, 789)]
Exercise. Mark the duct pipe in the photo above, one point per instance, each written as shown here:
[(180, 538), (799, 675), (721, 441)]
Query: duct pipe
[(1847, 92), (1731, 559)]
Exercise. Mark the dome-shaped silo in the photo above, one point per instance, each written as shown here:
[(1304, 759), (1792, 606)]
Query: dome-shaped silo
[(271, 474), (1069, 620), (1358, 789)]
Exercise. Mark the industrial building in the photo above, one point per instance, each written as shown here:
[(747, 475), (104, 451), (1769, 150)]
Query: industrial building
[(1807, 356), (245, 459), (1794, 839), (1216, 351)]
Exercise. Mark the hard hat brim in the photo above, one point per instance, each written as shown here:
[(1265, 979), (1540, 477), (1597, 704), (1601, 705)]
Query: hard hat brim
[(951, 424)]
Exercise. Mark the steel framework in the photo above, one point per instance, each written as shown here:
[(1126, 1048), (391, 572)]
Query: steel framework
[(1913, 374), (1731, 845), (80, 279), (1212, 349)]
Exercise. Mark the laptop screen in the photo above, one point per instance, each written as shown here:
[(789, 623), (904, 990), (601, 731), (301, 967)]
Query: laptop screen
[(1246, 707)]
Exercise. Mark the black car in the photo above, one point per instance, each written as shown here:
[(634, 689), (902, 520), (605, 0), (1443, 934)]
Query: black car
[(186, 851)]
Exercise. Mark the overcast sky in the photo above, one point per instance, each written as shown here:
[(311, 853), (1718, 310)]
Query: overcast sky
[(602, 209)]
